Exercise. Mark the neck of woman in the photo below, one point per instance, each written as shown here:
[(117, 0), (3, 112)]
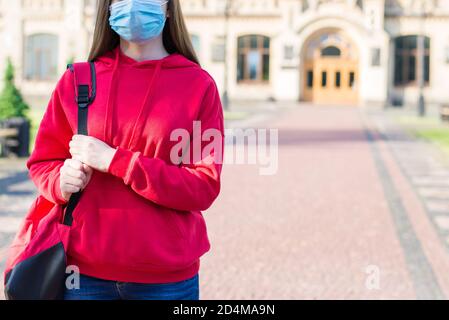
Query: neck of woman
[(149, 50)]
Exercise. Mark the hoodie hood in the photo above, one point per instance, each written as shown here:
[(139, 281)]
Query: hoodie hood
[(172, 61)]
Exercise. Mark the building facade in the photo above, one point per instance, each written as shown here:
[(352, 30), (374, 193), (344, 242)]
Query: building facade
[(354, 52)]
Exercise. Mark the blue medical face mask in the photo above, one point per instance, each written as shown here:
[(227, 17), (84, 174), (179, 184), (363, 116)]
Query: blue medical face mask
[(138, 20)]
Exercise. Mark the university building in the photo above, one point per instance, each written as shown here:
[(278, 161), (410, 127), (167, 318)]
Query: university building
[(351, 52)]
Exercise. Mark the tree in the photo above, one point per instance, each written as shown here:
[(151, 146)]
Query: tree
[(11, 100)]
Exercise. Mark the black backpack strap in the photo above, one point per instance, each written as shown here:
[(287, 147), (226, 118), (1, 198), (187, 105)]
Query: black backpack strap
[(85, 92)]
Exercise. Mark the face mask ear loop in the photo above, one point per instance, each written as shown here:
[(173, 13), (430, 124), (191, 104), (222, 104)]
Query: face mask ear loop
[(119, 4), (166, 14), (154, 2)]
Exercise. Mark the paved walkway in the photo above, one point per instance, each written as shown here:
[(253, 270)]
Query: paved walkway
[(339, 210), (356, 210), (17, 193)]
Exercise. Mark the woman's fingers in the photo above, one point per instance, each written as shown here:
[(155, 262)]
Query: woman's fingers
[(74, 164), (87, 169), (74, 177), (74, 173), (74, 181), (75, 151), (68, 188), (89, 172)]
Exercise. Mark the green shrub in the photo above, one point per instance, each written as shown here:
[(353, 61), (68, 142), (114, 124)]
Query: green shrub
[(11, 100)]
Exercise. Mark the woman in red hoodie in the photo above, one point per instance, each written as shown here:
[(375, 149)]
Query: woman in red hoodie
[(138, 230)]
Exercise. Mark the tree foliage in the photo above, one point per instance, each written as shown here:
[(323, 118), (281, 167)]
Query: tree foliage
[(12, 103)]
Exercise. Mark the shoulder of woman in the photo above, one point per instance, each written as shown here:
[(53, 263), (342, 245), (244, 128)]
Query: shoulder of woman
[(65, 81), (205, 78)]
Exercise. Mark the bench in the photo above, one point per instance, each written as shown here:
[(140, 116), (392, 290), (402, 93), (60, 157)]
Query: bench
[(8, 132), (15, 137), (444, 112), (9, 137)]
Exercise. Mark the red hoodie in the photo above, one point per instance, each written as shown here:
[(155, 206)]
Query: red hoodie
[(141, 221)]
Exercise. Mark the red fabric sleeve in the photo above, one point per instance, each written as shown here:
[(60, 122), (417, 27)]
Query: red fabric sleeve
[(51, 149), (188, 187)]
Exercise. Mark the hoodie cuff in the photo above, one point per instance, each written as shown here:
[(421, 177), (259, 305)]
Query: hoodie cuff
[(122, 162), (57, 192)]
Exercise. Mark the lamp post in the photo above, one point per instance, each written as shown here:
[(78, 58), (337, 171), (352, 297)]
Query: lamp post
[(227, 14), (421, 56)]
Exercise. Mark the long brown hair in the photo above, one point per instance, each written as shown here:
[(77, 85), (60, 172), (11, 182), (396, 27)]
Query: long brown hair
[(175, 35)]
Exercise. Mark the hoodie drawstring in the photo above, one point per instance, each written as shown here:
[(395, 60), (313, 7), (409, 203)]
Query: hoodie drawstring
[(144, 109), (111, 102)]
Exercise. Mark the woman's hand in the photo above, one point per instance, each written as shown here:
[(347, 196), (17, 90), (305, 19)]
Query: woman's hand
[(74, 177), (92, 152)]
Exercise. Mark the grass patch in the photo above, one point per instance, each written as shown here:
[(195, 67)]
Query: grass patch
[(428, 128), (418, 121), (439, 136)]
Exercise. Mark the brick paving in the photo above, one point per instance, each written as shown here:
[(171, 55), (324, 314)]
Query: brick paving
[(427, 170), (313, 230), (16, 195), (341, 205)]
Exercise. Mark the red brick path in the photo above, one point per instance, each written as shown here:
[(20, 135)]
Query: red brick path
[(312, 230)]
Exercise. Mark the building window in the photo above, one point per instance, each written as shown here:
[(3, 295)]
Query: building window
[(218, 50), (310, 79), (351, 79), (375, 57), (41, 57), (253, 59), (330, 51), (338, 79), (324, 79), (407, 70), (196, 42)]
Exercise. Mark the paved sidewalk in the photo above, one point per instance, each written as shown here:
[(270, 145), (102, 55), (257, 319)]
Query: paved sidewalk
[(426, 168), (354, 197), (338, 211), (17, 193)]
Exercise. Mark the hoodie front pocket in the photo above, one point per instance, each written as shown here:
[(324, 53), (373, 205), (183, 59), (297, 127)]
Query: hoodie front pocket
[(140, 238)]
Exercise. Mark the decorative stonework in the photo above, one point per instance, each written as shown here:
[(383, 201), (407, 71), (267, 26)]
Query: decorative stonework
[(44, 5), (415, 7), (328, 39), (316, 4), (235, 7)]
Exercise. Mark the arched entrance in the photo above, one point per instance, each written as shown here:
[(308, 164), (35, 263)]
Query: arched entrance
[(331, 69)]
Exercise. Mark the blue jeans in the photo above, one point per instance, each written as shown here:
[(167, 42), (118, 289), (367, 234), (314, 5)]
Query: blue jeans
[(98, 289)]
